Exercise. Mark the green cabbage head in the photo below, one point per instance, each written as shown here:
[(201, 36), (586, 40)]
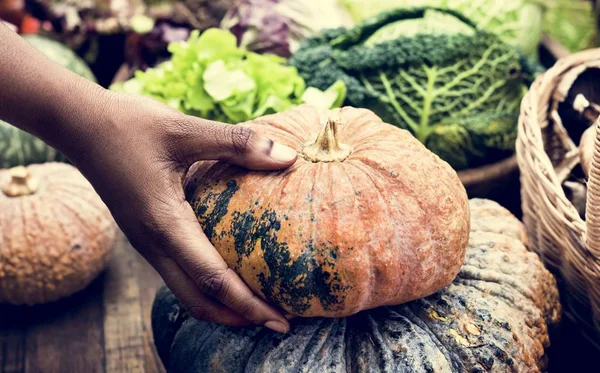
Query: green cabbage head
[(430, 71), (517, 22)]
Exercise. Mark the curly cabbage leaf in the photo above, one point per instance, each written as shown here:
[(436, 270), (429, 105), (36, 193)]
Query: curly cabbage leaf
[(210, 77), (459, 93), (485, 136), (517, 22)]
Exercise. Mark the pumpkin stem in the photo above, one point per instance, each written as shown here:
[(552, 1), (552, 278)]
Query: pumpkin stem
[(326, 147), (21, 183)]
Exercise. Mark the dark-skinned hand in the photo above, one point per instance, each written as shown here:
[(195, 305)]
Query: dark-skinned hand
[(135, 152)]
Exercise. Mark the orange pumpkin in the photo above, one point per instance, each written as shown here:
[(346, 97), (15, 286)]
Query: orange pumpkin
[(366, 217), (55, 233)]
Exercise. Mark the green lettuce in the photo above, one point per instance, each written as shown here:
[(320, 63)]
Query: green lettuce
[(209, 76)]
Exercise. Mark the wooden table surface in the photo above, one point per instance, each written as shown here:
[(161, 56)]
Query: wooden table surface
[(104, 328)]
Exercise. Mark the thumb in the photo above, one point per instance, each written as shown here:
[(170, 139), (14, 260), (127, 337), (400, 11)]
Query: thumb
[(200, 139)]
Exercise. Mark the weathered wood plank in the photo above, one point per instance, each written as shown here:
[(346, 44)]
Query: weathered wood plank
[(12, 345), (123, 326), (149, 282), (104, 328), (66, 336)]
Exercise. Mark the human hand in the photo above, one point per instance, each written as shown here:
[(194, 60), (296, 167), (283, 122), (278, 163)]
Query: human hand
[(137, 162), (135, 152)]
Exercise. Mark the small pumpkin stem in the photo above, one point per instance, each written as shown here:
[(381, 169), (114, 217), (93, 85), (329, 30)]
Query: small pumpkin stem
[(326, 148), (21, 183)]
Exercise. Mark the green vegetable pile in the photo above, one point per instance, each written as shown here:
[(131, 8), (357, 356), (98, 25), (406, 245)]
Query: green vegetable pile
[(452, 72), (455, 87), (210, 77)]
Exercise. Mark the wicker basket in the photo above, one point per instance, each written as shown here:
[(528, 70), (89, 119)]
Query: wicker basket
[(569, 245)]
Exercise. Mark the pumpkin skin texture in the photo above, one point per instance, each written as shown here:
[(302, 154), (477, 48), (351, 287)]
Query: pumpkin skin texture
[(367, 216), (55, 233), (495, 316)]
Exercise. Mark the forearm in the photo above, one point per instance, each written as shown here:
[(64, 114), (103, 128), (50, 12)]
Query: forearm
[(45, 99)]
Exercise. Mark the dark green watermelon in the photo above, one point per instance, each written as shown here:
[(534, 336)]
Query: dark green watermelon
[(61, 54), (494, 317), (21, 148)]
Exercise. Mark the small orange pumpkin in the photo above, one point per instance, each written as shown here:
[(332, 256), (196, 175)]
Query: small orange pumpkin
[(55, 233), (366, 217)]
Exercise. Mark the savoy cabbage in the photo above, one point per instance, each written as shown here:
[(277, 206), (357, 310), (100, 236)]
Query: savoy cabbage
[(517, 22), (455, 87)]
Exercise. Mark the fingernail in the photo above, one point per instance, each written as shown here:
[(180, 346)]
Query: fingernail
[(282, 153), (277, 326)]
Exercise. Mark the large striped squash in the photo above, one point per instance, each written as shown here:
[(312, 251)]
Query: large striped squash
[(366, 217), (21, 148)]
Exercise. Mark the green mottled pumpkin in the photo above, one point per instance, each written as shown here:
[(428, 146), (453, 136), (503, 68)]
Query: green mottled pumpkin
[(494, 317), (367, 216), (19, 148)]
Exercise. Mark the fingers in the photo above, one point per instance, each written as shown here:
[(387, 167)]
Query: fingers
[(201, 262), (196, 302), (198, 139)]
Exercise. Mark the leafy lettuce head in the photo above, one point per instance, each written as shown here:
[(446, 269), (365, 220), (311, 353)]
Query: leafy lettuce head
[(209, 76)]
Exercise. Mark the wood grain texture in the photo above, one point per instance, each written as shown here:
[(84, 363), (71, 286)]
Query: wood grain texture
[(123, 314), (12, 350), (104, 328), (67, 336), (150, 281)]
